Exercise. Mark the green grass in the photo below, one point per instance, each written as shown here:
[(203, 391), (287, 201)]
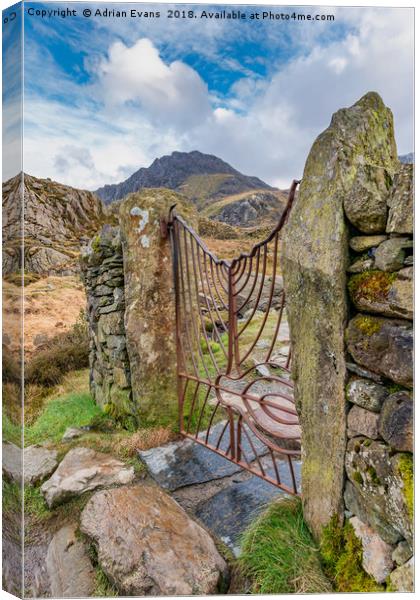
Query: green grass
[(11, 431), (279, 555), (70, 410)]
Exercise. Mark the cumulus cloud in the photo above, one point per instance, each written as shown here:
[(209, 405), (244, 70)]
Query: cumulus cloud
[(141, 105), (172, 94)]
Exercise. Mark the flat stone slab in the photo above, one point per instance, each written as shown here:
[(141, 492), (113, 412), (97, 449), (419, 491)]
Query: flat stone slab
[(36, 461), (149, 546), (83, 470), (228, 513), (69, 568), (184, 463)]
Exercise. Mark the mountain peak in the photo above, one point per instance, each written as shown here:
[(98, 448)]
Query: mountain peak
[(175, 171)]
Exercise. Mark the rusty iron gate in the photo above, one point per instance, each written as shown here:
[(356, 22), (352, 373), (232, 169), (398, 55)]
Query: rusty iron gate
[(234, 387)]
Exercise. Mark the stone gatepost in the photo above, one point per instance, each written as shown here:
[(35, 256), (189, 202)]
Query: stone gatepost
[(351, 163), (149, 300)]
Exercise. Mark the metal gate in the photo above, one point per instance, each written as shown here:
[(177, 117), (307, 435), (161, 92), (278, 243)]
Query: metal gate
[(234, 387)]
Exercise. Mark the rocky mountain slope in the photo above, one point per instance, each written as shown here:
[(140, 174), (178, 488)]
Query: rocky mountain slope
[(198, 176), (58, 219)]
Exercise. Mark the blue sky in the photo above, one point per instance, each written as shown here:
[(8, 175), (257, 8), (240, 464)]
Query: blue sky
[(105, 96)]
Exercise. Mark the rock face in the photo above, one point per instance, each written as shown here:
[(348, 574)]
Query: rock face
[(83, 470), (253, 208), (396, 422), (360, 243), (390, 255), (377, 554), (378, 485), (57, 219), (110, 376), (147, 545), (363, 422), (12, 462), (181, 172), (69, 569), (150, 328), (401, 202), (383, 345), (314, 264), (402, 579)]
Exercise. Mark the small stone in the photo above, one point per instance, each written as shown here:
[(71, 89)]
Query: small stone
[(384, 346), (365, 203), (401, 202), (361, 265), (402, 553), (390, 255), (409, 260), (397, 421), (377, 554), (366, 394), (358, 370), (38, 462), (389, 294), (363, 422), (360, 243), (148, 545), (69, 568), (83, 470), (402, 578), (72, 433)]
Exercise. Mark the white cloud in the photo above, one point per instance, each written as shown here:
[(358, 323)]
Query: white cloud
[(142, 106)]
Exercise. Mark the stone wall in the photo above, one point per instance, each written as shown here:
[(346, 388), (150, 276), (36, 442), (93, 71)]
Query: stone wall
[(347, 261), (110, 374), (379, 341)]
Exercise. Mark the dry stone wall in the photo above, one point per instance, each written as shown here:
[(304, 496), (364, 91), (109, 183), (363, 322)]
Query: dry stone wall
[(110, 373), (379, 343)]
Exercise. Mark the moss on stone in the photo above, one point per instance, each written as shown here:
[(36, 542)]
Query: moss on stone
[(357, 476), (370, 286), (371, 471), (367, 325), (405, 468), (96, 243), (342, 556)]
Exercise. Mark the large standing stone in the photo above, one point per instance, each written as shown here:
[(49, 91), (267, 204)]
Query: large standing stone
[(375, 472), (149, 297), (377, 554), (400, 202), (83, 470), (148, 546), (384, 346), (396, 422), (69, 569), (314, 268)]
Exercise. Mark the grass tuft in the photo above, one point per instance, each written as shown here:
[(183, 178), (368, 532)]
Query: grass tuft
[(279, 555)]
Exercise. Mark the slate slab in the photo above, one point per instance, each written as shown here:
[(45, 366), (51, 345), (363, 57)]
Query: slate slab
[(229, 512), (184, 463)]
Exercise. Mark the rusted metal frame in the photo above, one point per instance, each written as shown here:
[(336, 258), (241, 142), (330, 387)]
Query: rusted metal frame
[(258, 298), (241, 270), (186, 319), (210, 310), (212, 295), (266, 314), (203, 326), (277, 329), (251, 443), (292, 474), (258, 257), (223, 303), (199, 241), (243, 464), (248, 277), (195, 332), (233, 348), (273, 459), (220, 272), (192, 406), (263, 438), (244, 373), (203, 406), (266, 405)]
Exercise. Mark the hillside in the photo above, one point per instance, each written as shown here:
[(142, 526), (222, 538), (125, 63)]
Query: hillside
[(198, 176), (58, 219)]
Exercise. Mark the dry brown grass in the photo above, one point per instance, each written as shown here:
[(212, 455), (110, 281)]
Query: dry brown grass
[(143, 439), (51, 306)]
